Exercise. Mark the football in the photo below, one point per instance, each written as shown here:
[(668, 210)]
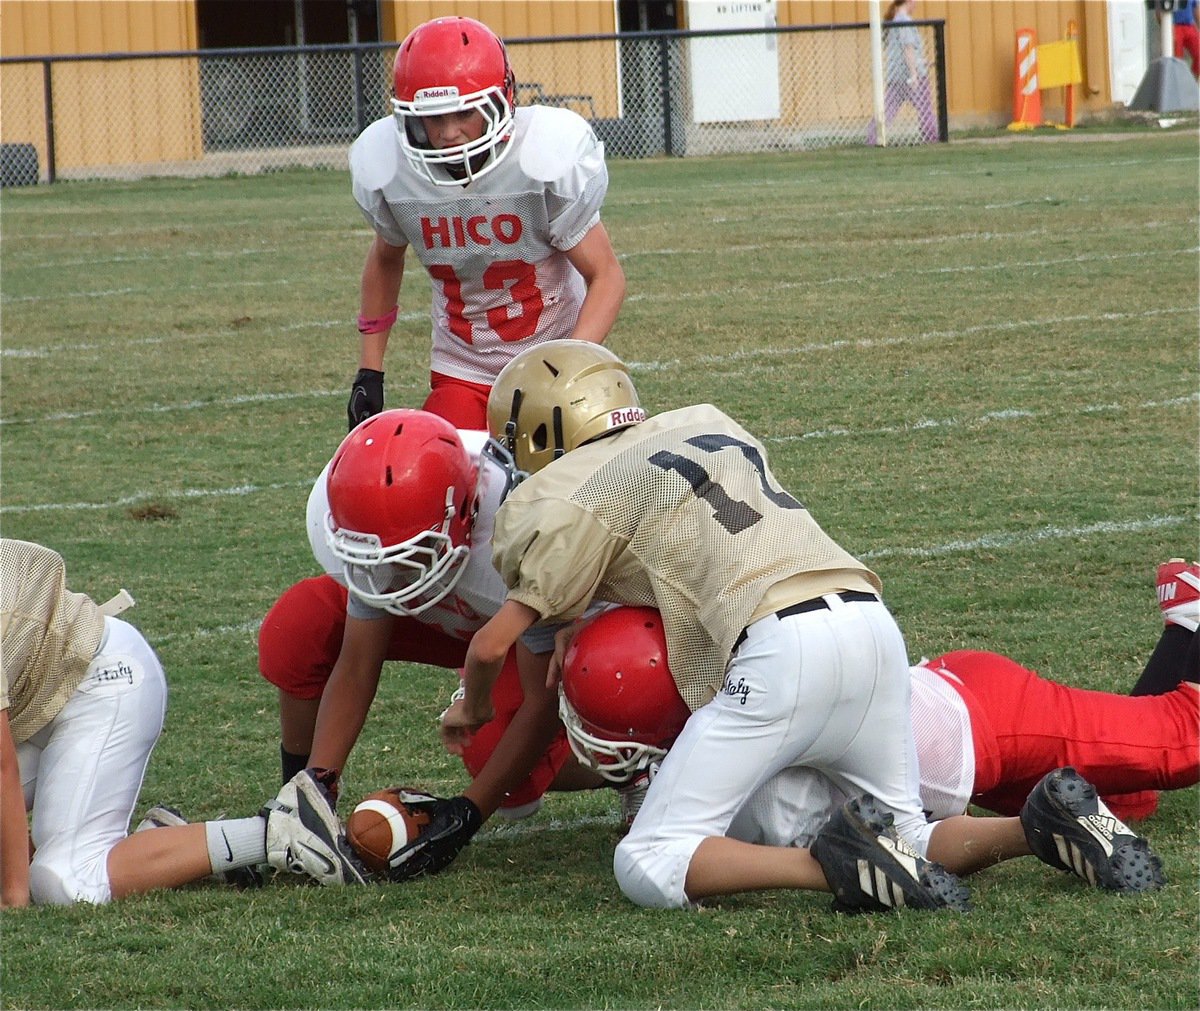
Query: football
[(383, 823)]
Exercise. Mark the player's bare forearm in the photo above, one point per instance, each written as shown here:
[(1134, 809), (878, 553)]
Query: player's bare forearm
[(372, 349), (595, 259), (339, 722), (485, 658), (562, 642), (480, 671), (382, 275), (349, 692), (598, 314), (489, 646), (14, 830)]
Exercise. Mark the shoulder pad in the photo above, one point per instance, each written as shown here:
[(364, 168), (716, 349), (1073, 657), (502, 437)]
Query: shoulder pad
[(317, 507), (375, 155), (555, 142), (472, 440)]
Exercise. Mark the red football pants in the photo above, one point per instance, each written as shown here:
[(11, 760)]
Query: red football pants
[(461, 403), (1024, 726), (1187, 40), (301, 637)]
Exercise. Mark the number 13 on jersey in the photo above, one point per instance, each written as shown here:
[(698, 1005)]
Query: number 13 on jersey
[(518, 278)]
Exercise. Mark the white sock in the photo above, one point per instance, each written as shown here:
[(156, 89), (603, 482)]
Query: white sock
[(237, 842)]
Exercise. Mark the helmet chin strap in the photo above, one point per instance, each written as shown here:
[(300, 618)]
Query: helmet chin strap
[(510, 426), (559, 448)]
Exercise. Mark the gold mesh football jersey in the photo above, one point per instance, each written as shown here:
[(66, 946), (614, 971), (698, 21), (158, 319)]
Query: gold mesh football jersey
[(681, 513), (48, 636)]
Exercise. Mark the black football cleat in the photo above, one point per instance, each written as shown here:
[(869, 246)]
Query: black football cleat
[(1069, 827), (870, 868)]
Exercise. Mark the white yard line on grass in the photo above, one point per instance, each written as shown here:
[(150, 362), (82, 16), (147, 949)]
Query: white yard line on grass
[(992, 542), (975, 236), (235, 491), (1015, 414), (1000, 326), (1024, 537), (50, 349), (194, 405), (646, 366)]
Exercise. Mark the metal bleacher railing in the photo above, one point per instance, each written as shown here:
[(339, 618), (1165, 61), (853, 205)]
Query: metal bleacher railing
[(647, 94)]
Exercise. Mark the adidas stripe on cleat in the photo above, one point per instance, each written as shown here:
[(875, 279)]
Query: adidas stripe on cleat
[(869, 867), (1069, 827)]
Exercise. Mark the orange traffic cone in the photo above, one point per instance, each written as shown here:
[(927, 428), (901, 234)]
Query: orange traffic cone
[(1027, 99)]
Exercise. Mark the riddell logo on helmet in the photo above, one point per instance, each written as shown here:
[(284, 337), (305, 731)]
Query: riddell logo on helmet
[(432, 94), (626, 416)]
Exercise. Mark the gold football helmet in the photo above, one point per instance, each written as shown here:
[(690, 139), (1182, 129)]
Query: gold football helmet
[(556, 396)]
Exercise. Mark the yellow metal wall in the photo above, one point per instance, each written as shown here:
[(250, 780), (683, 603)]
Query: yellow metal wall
[(35, 27), (980, 42), (507, 18), (97, 103), (586, 69), (105, 113)]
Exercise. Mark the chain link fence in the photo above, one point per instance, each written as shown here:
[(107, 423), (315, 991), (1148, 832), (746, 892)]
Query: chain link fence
[(647, 94)]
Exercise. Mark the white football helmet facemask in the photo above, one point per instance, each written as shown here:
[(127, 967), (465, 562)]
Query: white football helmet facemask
[(446, 66)]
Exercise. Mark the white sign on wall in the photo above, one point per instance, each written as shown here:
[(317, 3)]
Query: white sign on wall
[(735, 78), (1126, 47)]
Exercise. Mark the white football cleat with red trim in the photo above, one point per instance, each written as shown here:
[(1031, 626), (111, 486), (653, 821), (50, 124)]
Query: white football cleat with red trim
[(1179, 593)]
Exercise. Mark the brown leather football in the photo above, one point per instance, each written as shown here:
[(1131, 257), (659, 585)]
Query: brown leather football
[(382, 823)]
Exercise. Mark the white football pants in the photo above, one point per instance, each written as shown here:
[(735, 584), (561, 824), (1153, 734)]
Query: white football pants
[(82, 772), (826, 689)]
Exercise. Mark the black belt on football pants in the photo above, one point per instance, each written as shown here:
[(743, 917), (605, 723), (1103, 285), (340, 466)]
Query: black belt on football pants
[(816, 604)]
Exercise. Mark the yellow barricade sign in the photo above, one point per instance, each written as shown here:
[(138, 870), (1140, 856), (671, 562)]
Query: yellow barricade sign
[(1058, 64)]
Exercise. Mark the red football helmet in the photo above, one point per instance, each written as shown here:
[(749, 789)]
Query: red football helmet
[(450, 65), (401, 493), (618, 700)]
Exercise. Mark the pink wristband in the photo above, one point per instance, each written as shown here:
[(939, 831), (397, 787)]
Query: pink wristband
[(379, 323)]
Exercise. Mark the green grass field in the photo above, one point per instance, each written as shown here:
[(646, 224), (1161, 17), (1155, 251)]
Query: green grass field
[(976, 363)]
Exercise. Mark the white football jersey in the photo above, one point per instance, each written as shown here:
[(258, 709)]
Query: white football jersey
[(479, 591), (493, 248), (945, 748)]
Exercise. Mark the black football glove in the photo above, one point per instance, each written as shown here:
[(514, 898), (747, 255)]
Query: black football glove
[(366, 396), (452, 823)]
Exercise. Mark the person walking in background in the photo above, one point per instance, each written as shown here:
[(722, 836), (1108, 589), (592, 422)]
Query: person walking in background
[(500, 204), (1187, 36), (906, 74)]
